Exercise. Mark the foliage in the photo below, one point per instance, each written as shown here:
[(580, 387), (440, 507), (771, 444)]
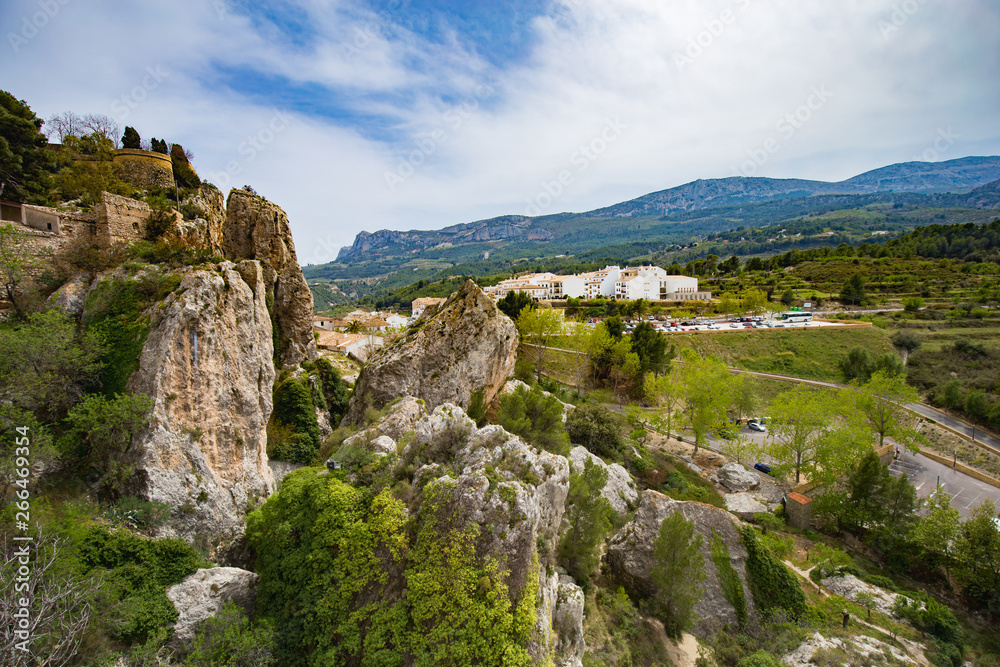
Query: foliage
[(131, 138), (230, 639), (729, 580), (326, 553), (16, 263), (800, 421), (24, 161), (589, 515), (99, 436), (651, 347), (759, 659), (860, 364), (978, 550), (931, 616), (853, 292), (537, 326), (536, 417), (706, 390), (47, 364), (514, 302), (597, 429), (159, 146), (772, 585), (882, 400), (677, 573), (136, 574), (184, 173), (115, 311), (336, 393), (293, 423)]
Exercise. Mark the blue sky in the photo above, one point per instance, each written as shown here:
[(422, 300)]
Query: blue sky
[(408, 114)]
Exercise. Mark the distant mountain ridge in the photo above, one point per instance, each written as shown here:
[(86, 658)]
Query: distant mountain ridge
[(959, 175)]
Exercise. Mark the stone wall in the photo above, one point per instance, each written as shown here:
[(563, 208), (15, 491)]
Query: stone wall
[(120, 219), (144, 168)]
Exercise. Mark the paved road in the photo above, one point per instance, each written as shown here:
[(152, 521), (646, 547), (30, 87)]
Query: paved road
[(967, 492)]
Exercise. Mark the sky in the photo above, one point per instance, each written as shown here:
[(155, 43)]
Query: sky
[(417, 114)]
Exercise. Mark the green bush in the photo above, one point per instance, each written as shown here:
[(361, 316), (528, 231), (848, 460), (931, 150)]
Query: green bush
[(535, 417), (137, 573), (771, 583), (759, 659), (229, 639), (293, 423), (336, 393), (597, 429)]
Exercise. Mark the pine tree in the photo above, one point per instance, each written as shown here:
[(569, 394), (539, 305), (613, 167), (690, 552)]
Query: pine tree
[(589, 521), (678, 570), (131, 139)]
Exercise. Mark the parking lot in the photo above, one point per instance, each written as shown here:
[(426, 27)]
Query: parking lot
[(731, 326)]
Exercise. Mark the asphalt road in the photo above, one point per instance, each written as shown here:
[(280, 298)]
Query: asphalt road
[(924, 474)]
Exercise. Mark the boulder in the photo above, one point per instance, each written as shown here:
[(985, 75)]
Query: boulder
[(744, 505), (466, 346), (848, 586), (737, 478), (71, 298), (619, 489), (204, 593), (257, 229), (207, 364), (857, 650), (630, 555)]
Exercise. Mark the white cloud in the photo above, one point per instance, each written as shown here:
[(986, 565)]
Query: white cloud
[(700, 88)]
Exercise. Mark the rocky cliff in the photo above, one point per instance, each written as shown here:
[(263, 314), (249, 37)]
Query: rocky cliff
[(630, 555), (258, 229), (207, 364), (514, 493), (466, 345)]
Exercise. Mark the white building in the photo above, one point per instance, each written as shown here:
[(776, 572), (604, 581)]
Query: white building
[(421, 304), (564, 287), (681, 288), (601, 283)]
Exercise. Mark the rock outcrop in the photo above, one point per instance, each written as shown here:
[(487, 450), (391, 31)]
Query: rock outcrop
[(207, 364), (467, 345), (744, 505), (204, 593), (619, 489), (630, 555), (736, 478), (71, 298), (514, 493), (205, 231), (257, 229)]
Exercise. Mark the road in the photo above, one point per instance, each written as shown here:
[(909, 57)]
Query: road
[(967, 492)]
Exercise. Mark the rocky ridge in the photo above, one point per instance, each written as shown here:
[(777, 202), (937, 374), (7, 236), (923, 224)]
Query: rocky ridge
[(466, 346)]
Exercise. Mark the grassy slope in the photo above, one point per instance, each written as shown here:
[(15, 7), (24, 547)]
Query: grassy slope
[(808, 353)]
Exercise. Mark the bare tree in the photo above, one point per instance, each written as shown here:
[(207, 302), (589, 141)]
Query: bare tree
[(63, 125), (59, 603), (104, 125)]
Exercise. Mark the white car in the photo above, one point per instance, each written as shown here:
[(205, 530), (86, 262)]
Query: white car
[(757, 426)]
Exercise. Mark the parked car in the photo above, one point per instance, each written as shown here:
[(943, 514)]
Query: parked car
[(763, 467), (757, 426)]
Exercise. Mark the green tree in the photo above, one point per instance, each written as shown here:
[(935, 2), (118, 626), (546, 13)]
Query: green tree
[(978, 549), (912, 304), (754, 301), (597, 429), (882, 400), (184, 173), (514, 302), (589, 515), (230, 639), (159, 146), (742, 448), (580, 339), (99, 436), (650, 346), (907, 342), (677, 573), (47, 364), (853, 292), (664, 393), (799, 421), (859, 364), (759, 659), (706, 389), (536, 417), (614, 326), (747, 400), (293, 432), (25, 164), (131, 138), (788, 297), (937, 532), (537, 326)]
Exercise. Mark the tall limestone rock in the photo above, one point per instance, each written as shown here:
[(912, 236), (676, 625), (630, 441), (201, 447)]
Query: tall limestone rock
[(257, 229), (205, 231), (466, 345), (208, 365), (630, 555)]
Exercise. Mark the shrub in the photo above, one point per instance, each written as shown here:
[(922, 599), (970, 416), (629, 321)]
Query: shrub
[(536, 417), (229, 639), (772, 585), (759, 659), (293, 423), (597, 429)]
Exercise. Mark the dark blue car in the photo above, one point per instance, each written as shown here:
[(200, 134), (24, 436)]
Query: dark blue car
[(763, 467)]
